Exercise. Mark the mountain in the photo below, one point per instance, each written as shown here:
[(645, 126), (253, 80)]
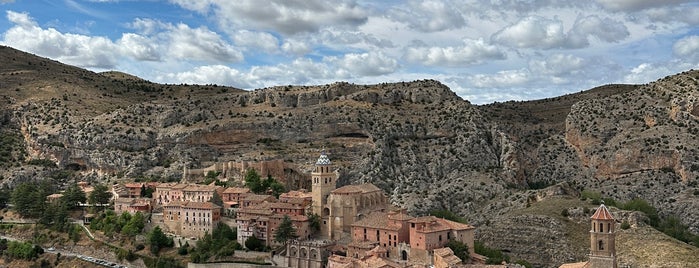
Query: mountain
[(426, 147)]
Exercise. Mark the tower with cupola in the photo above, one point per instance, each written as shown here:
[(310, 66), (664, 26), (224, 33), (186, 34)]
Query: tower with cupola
[(602, 239), (323, 181)]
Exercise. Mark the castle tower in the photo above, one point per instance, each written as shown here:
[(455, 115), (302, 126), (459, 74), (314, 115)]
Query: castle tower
[(602, 239), (323, 181)]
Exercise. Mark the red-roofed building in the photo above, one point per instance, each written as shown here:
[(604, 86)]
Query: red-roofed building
[(429, 232)]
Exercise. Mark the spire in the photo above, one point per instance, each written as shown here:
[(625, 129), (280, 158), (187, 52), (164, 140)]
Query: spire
[(323, 159), (602, 213)]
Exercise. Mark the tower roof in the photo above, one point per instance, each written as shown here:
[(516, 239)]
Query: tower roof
[(602, 213), (323, 159)]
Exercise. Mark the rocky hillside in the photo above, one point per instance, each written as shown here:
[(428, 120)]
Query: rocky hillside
[(422, 144)]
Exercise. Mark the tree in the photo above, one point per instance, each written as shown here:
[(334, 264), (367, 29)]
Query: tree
[(100, 195), (314, 221), (216, 199), (5, 194), (285, 231), (29, 199), (459, 248), (157, 240), (252, 181), (73, 196), (134, 226), (254, 243)]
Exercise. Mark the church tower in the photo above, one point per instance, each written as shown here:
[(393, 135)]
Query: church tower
[(602, 239), (323, 180)]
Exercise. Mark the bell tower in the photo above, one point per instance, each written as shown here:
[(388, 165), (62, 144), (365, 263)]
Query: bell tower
[(602, 239), (323, 181)]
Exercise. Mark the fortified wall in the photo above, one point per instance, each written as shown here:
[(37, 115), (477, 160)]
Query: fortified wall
[(286, 173)]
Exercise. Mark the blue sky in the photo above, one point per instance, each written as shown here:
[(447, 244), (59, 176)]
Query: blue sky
[(485, 51)]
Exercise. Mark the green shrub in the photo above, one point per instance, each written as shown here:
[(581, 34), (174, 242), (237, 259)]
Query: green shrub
[(625, 225)]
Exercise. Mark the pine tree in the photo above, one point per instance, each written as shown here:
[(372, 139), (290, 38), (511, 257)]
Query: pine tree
[(285, 231)]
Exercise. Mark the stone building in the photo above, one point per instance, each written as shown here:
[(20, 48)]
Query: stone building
[(169, 192), (308, 253), (261, 220), (602, 241), (387, 229), (340, 207), (429, 232), (132, 205), (190, 219)]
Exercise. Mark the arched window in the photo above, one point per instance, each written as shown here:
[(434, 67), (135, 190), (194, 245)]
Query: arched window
[(601, 227), (600, 245)]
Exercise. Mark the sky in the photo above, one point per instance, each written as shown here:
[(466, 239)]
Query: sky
[(485, 51)]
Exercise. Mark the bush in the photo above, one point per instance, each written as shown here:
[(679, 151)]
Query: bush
[(140, 247), (625, 225), (565, 213)]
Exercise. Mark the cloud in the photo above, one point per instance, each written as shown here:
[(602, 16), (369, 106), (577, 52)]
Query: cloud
[(604, 29), (253, 40), (139, 47), (200, 44), (501, 79), (364, 64), (471, 52), (542, 33), (295, 47), (429, 15), (684, 14), (532, 32), (282, 16), (6, 1), (80, 50), (636, 5), (687, 47), (558, 65)]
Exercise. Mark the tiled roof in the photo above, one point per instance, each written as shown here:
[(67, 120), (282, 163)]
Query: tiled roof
[(200, 188), (378, 220), (296, 194), (281, 205), (236, 190), (356, 188), (189, 204), (323, 159), (257, 197), (602, 214), (133, 185), (574, 265), (434, 224)]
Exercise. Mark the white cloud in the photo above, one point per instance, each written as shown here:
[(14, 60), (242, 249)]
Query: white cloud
[(687, 47), (557, 65), (365, 64), (253, 40), (507, 78), (429, 15), (80, 50), (295, 47), (635, 5), (139, 47), (200, 44), (6, 1), (542, 33), (471, 52), (283, 16), (532, 32)]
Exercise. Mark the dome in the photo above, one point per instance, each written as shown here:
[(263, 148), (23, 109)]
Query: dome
[(323, 159)]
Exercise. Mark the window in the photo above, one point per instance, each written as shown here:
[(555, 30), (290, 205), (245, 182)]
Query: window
[(601, 227), (600, 245), (440, 238)]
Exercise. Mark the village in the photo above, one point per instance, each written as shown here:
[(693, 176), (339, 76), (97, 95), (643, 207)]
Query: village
[(349, 226)]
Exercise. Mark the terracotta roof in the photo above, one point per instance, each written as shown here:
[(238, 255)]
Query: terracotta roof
[(282, 205), (447, 255), (357, 188), (296, 194), (133, 185), (434, 224), (574, 265), (377, 220), (363, 244), (375, 261), (257, 197), (602, 214), (201, 205), (200, 188), (236, 190)]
